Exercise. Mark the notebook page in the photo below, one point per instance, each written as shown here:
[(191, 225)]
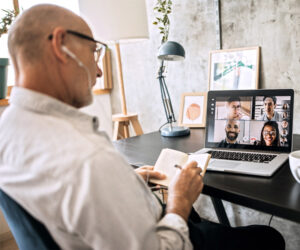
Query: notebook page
[(165, 164), (201, 159)]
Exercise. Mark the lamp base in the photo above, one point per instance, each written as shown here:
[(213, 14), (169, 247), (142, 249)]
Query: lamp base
[(174, 131)]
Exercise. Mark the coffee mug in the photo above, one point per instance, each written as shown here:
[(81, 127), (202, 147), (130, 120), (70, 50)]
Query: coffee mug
[(294, 159)]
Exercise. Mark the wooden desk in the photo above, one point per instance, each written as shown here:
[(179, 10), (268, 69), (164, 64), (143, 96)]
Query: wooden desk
[(278, 195)]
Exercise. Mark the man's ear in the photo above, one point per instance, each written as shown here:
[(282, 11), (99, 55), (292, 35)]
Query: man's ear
[(57, 41)]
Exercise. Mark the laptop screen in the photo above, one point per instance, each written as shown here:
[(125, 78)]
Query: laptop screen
[(250, 119)]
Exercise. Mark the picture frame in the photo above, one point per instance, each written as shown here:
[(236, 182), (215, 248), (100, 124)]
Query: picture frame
[(231, 69), (193, 110), (105, 82)]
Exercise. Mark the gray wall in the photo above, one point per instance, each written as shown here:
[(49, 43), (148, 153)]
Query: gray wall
[(273, 25)]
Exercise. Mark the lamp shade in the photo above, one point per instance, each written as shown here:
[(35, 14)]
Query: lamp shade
[(171, 51), (116, 20)]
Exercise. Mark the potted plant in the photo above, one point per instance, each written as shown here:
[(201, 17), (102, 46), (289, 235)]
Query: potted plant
[(5, 22), (162, 9)]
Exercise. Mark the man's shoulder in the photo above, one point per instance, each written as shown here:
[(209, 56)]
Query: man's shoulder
[(48, 140), (262, 117)]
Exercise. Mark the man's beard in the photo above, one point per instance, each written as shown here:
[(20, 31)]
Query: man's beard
[(232, 138)]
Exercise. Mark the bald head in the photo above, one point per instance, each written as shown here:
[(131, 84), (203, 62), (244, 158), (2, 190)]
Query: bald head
[(29, 33), (61, 65)]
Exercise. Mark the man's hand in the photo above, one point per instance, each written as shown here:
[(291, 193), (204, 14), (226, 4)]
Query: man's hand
[(147, 172), (184, 190)]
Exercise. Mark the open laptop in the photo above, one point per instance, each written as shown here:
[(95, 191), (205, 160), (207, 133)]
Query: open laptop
[(239, 134)]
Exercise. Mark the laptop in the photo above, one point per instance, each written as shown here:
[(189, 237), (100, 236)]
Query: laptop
[(249, 131)]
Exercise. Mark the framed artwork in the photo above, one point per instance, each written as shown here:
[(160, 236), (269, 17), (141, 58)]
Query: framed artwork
[(105, 82), (234, 69), (193, 110)]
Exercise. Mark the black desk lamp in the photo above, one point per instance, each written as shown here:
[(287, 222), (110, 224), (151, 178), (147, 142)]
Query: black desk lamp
[(170, 51)]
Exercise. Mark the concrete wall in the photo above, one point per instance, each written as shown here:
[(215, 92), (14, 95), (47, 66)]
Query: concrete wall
[(274, 25)]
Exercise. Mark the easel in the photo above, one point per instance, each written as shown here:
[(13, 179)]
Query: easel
[(122, 121)]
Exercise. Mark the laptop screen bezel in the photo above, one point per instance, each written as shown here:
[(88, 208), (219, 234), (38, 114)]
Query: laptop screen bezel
[(214, 94)]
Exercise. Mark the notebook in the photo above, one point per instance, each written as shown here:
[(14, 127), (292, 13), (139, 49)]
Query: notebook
[(249, 131)]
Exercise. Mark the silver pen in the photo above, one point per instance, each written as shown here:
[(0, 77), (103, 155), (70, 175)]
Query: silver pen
[(177, 166)]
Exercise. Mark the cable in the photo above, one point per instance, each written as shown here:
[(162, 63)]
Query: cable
[(162, 126), (270, 220)]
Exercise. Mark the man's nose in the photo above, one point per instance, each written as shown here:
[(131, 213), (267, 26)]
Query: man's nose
[(98, 71)]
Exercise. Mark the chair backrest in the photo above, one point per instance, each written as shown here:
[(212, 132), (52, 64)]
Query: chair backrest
[(29, 233)]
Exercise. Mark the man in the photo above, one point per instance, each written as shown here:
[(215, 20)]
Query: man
[(56, 164), (234, 109), (269, 110), (232, 130)]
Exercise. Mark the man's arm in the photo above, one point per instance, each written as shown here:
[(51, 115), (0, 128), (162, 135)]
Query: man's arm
[(109, 199), (184, 190)]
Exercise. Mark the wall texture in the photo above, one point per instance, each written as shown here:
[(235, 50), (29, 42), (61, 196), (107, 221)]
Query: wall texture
[(271, 24)]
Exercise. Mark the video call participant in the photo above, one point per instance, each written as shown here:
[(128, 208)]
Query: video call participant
[(285, 106), (270, 134), (234, 109), (269, 110), (232, 130), (284, 124)]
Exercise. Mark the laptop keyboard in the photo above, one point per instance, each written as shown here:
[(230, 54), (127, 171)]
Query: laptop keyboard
[(239, 156)]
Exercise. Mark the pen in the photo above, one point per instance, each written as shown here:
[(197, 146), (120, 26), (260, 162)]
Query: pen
[(177, 166)]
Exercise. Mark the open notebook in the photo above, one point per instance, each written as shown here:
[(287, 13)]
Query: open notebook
[(168, 158)]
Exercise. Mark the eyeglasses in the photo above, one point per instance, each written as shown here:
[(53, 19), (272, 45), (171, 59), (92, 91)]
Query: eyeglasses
[(271, 133), (236, 107), (101, 47)]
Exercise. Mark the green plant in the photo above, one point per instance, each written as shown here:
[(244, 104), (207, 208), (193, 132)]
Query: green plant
[(6, 21), (162, 9)]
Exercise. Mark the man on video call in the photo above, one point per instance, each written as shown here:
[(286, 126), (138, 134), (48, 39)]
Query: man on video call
[(232, 130), (234, 109), (269, 110), (67, 174)]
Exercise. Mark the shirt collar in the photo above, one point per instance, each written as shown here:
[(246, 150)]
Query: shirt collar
[(41, 103)]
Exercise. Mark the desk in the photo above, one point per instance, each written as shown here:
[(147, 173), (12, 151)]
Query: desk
[(278, 195)]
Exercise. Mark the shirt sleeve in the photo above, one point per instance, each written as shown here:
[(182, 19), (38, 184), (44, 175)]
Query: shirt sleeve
[(110, 207), (173, 232)]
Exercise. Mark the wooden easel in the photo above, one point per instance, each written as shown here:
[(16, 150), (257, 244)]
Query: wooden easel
[(123, 121)]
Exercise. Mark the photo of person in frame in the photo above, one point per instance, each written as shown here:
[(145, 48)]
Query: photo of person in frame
[(232, 130), (234, 109), (285, 106), (269, 135), (269, 113)]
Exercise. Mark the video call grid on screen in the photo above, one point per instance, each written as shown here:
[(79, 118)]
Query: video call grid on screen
[(242, 116)]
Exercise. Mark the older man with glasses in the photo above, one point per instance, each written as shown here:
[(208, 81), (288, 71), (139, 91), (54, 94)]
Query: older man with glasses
[(59, 167)]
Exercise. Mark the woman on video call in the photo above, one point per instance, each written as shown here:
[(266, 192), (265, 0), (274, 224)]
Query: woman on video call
[(270, 134)]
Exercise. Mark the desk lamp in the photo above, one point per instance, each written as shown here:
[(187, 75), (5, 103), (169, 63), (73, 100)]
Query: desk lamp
[(170, 51)]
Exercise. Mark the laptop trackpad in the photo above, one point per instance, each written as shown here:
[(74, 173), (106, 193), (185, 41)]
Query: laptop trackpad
[(223, 164)]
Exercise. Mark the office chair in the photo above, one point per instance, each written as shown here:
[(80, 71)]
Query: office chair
[(29, 233)]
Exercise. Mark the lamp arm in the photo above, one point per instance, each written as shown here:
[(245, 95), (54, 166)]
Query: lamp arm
[(169, 102), (165, 96)]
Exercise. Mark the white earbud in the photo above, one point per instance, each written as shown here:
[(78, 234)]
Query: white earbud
[(80, 64), (72, 55)]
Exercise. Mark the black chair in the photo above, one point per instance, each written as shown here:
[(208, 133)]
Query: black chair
[(29, 233)]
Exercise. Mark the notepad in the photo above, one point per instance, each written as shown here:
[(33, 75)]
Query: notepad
[(169, 157)]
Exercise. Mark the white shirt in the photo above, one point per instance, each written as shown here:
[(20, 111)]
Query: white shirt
[(59, 167), (276, 117)]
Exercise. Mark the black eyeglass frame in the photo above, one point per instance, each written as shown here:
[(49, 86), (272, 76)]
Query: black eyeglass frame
[(78, 34)]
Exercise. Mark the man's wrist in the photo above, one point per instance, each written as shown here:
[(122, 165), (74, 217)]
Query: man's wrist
[(182, 207)]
